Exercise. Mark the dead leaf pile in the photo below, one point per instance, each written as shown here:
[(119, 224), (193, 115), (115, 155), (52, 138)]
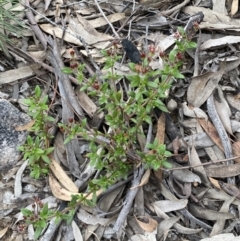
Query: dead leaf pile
[(199, 196)]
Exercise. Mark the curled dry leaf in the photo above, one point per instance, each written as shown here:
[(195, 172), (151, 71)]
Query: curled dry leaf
[(58, 191), (208, 214), (194, 112), (63, 178), (147, 224), (215, 183), (144, 179), (3, 231), (230, 189)]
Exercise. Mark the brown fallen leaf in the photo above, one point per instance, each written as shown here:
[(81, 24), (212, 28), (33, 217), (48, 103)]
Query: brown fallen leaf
[(215, 183), (236, 150), (230, 189), (27, 127), (234, 7), (144, 179), (160, 137), (210, 129), (146, 223), (3, 231), (63, 178)]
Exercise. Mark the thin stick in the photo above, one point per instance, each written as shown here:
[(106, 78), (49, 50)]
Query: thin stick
[(105, 17)]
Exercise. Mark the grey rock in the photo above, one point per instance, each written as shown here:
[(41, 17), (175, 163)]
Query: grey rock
[(10, 139)]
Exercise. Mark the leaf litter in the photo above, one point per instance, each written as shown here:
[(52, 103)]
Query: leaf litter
[(185, 203)]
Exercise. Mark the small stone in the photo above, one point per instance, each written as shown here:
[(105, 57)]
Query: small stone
[(172, 105), (10, 139)]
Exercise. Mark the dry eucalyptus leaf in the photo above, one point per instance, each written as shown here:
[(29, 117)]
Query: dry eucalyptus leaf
[(223, 171), (144, 179), (211, 131), (220, 42), (88, 218), (3, 231), (234, 7), (18, 180), (214, 182), (186, 176), (58, 191), (147, 224), (202, 86), (99, 22), (194, 160), (194, 112), (76, 231), (211, 16), (222, 237), (25, 127), (15, 74), (165, 226), (236, 150), (220, 195), (219, 225), (86, 103), (231, 189), (223, 111), (208, 214), (171, 205), (138, 237), (63, 178), (233, 101)]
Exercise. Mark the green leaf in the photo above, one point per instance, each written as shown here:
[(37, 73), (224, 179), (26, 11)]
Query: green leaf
[(132, 66), (44, 210), (26, 212), (176, 73), (46, 159), (28, 102), (67, 70), (37, 91), (192, 45), (37, 232), (167, 164), (134, 79), (152, 84)]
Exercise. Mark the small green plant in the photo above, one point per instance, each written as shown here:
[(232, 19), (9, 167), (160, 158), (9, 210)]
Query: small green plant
[(126, 113), (36, 149)]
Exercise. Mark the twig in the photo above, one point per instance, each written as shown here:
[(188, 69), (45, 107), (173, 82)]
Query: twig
[(138, 173), (199, 165), (105, 17), (179, 6), (221, 131)]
